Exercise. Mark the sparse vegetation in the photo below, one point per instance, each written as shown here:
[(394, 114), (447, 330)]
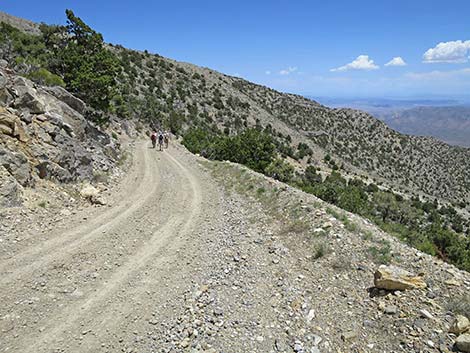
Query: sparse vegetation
[(320, 249), (381, 253), (296, 226)]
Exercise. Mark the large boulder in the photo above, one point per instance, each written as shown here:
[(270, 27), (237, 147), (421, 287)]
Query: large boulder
[(74, 158), (462, 343), (66, 97), (10, 190), (92, 194), (26, 96), (460, 325), (395, 278), (32, 102)]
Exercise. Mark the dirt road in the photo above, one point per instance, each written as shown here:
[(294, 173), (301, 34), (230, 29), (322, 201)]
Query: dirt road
[(95, 277), (210, 258)]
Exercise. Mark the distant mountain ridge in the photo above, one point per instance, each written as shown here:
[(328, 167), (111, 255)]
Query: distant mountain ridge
[(451, 124), (445, 119)]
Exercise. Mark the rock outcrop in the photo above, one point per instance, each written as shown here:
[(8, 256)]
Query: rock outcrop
[(10, 189), (44, 135)]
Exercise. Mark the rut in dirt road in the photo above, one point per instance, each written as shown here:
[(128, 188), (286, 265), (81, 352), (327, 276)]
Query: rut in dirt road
[(90, 279), (47, 251)]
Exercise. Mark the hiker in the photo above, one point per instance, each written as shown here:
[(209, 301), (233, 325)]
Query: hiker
[(166, 138), (160, 140), (153, 137)]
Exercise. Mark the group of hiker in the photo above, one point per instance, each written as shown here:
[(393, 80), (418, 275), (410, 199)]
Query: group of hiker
[(160, 137)]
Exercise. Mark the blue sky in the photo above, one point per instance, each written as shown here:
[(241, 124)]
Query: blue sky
[(320, 48)]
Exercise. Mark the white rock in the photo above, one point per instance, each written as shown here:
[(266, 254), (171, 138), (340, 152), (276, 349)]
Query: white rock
[(310, 315), (460, 325), (426, 314)]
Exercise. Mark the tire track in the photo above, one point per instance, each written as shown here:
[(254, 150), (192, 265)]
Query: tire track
[(114, 297), (61, 247)]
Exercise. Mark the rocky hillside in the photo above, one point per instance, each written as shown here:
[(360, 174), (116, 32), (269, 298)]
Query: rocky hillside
[(317, 263), (44, 136), (187, 95), (178, 95), (20, 23)]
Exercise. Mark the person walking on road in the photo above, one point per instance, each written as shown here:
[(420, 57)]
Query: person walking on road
[(153, 137), (160, 140), (166, 138)]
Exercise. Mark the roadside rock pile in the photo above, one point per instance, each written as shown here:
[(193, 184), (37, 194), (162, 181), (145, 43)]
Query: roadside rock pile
[(44, 135)]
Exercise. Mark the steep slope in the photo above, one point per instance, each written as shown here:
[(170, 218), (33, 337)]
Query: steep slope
[(446, 119), (177, 95), (186, 95), (20, 23)]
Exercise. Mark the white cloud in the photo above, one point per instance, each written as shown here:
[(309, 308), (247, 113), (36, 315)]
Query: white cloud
[(397, 61), (267, 72), (448, 52), (362, 62), (288, 71)]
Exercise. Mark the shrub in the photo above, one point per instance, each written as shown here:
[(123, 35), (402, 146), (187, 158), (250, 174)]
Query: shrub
[(320, 250), (381, 254), (311, 176), (197, 140), (252, 148), (280, 170), (45, 78)]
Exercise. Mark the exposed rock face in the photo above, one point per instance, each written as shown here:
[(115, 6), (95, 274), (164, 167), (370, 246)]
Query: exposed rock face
[(395, 278), (17, 165), (10, 190), (43, 135), (26, 96), (11, 125), (66, 97)]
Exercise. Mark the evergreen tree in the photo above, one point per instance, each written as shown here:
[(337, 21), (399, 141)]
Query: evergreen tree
[(87, 67)]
